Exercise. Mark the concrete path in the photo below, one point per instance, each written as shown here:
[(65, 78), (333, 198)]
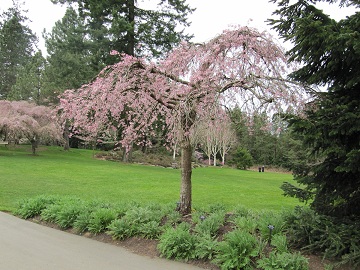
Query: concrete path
[(25, 245)]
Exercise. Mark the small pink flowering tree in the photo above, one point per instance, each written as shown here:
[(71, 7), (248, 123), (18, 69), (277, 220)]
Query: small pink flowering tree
[(241, 65), (22, 119)]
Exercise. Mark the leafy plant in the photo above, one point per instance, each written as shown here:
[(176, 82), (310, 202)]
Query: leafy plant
[(150, 230), (68, 214), (82, 221), (100, 219), (32, 207), (284, 260), (236, 251), (210, 224), (120, 229), (279, 241), (177, 243), (205, 247)]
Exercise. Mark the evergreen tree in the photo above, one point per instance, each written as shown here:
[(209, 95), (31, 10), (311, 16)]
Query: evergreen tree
[(123, 26), (330, 53), (28, 84), (70, 63), (17, 45)]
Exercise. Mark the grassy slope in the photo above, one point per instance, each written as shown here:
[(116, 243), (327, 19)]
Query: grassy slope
[(76, 173)]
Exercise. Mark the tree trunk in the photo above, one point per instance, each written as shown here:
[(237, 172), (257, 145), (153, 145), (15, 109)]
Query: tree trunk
[(186, 171), (66, 135), (130, 35), (34, 145)]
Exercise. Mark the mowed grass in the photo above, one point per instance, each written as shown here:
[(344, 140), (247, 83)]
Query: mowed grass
[(77, 173)]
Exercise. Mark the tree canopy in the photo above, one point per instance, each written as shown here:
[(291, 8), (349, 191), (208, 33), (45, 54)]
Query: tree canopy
[(330, 53), (25, 120), (125, 26), (17, 45), (242, 65)]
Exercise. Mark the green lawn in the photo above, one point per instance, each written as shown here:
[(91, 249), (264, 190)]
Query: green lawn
[(54, 171)]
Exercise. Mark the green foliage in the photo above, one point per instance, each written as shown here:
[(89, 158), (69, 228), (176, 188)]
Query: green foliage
[(279, 241), (34, 206), (237, 250), (329, 52), (211, 224), (150, 229), (205, 247), (68, 213), (120, 229), (284, 260), (50, 213), (100, 219), (177, 243), (274, 219), (246, 224), (17, 43), (335, 238), (242, 159), (82, 221)]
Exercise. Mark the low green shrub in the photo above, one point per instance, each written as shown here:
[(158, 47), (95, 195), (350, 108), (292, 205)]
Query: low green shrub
[(205, 247), (150, 230), (82, 221), (120, 229), (237, 251), (68, 213), (284, 260), (210, 225), (279, 241), (33, 206), (177, 243), (333, 237), (50, 213), (247, 224), (100, 219)]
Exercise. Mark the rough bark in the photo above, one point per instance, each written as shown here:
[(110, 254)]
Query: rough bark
[(186, 171)]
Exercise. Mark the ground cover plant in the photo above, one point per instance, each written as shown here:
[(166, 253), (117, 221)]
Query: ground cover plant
[(57, 172), (209, 234)]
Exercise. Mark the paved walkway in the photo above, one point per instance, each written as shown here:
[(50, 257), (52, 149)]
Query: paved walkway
[(25, 245)]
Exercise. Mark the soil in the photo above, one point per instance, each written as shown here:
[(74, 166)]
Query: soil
[(148, 247)]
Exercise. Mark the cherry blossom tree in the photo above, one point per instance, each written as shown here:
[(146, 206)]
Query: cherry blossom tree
[(22, 119), (241, 65)]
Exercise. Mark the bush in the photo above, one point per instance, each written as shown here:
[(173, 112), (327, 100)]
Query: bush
[(210, 225), (33, 207), (100, 219), (68, 213), (205, 247), (177, 243), (242, 159), (335, 238), (150, 230), (285, 260), (120, 229), (236, 251)]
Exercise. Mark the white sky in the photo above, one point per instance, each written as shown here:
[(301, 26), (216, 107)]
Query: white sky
[(210, 18)]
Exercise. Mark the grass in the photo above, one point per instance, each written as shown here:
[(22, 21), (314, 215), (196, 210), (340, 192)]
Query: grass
[(76, 173)]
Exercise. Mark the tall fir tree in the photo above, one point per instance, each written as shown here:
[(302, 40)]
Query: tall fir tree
[(17, 46), (330, 53), (70, 62), (124, 26)]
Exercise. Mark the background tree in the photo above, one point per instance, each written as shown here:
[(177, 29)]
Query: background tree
[(124, 26), (22, 119), (330, 53), (70, 62), (29, 79), (17, 45), (183, 89)]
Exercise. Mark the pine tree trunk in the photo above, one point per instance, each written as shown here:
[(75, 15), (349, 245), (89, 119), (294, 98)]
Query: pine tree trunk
[(186, 171)]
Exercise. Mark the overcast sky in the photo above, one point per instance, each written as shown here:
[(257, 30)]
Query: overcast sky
[(210, 18)]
